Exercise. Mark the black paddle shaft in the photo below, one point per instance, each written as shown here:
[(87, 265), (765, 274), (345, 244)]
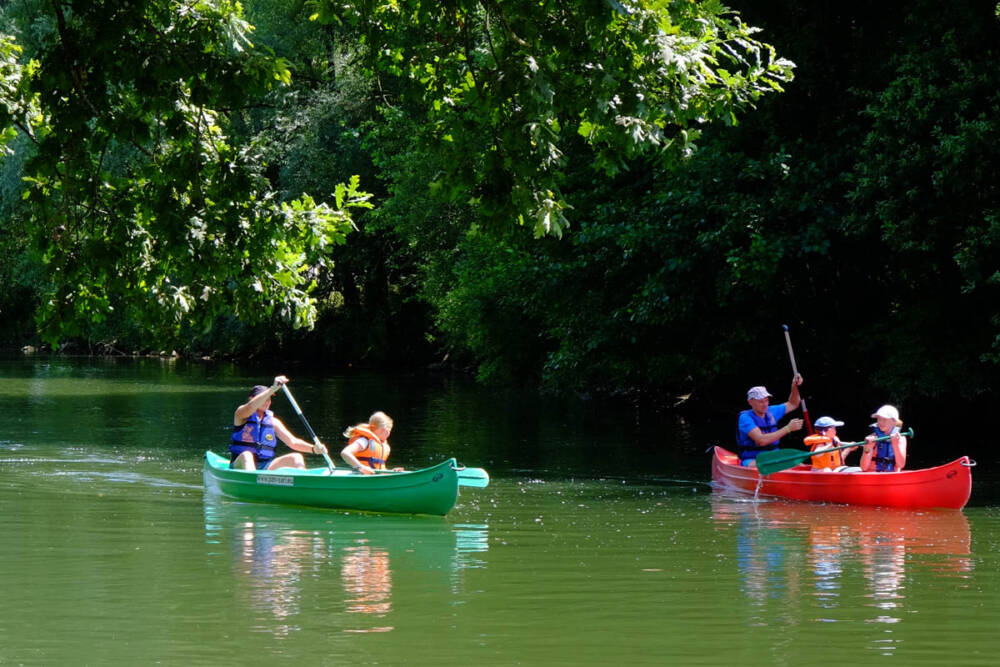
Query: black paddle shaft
[(298, 411)]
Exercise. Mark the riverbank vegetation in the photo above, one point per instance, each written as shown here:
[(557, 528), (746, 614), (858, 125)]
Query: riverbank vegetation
[(594, 197)]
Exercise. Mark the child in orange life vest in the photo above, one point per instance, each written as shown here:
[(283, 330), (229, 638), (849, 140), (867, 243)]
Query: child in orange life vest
[(367, 447), (826, 438)]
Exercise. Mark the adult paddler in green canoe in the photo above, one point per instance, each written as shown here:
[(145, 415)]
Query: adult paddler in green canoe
[(256, 431)]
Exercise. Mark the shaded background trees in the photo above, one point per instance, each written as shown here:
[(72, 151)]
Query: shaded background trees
[(859, 206)]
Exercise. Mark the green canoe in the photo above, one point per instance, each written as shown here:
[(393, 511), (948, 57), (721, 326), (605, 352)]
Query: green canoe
[(432, 490)]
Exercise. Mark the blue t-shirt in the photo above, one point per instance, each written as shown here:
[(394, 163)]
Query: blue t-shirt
[(748, 422)]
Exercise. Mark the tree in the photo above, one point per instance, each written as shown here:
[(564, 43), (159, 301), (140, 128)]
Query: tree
[(926, 200), (509, 88), (140, 207), (876, 188)]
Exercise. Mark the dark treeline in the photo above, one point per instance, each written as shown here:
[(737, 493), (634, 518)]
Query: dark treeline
[(860, 206)]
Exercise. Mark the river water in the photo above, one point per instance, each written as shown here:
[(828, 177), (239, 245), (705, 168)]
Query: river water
[(599, 540)]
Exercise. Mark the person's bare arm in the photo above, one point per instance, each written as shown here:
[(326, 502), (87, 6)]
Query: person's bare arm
[(293, 441), (349, 454), (764, 439), (257, 402), (794, 398)]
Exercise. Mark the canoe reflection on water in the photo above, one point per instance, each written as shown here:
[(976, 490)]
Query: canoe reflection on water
[(793, 550), (286, 557)]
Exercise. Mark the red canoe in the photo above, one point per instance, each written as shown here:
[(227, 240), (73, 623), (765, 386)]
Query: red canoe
[(946, 486)]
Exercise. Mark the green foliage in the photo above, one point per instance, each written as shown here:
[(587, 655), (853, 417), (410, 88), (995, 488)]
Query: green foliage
[(15, 111), (140, 207), (876, 243), (509, 88), (925, 194), (484, 306), (319, 128), (638, 294), (168, 171)]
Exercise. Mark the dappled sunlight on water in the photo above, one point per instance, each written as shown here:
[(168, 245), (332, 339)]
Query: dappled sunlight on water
[(115, 553)]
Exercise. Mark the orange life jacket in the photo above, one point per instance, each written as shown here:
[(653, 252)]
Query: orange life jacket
[(375, 454), (826, 459)]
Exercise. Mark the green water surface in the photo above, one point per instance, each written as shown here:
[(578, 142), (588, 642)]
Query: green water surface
[(577, 553)]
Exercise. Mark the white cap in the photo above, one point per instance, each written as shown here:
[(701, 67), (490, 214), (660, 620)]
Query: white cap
[(887, 412), (757, 392)]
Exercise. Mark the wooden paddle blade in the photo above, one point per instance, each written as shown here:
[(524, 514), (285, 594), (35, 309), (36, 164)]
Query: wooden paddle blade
[(476, 477)]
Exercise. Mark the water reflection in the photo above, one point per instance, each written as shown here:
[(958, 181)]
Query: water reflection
[(272, 565), (367, 577), (844, 561), (348, 564)]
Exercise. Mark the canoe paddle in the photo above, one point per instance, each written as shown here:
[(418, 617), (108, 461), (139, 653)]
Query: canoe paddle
[(473, 477), (795, 372), (298, 411), (782, 459), (476, 477)]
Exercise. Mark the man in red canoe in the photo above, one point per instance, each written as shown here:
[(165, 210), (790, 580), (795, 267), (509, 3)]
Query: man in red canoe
[(758, 427)]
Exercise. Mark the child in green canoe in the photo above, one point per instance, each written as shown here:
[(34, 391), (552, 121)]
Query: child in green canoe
[(367, 447)]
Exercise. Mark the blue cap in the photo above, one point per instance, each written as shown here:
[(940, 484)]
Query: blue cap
[(827, 422)]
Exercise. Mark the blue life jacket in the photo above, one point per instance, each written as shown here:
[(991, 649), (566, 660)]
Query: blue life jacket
[(748, 449), (885, 455), (254, 435)]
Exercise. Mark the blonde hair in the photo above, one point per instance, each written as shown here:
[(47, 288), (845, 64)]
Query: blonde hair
[(377, 420)]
